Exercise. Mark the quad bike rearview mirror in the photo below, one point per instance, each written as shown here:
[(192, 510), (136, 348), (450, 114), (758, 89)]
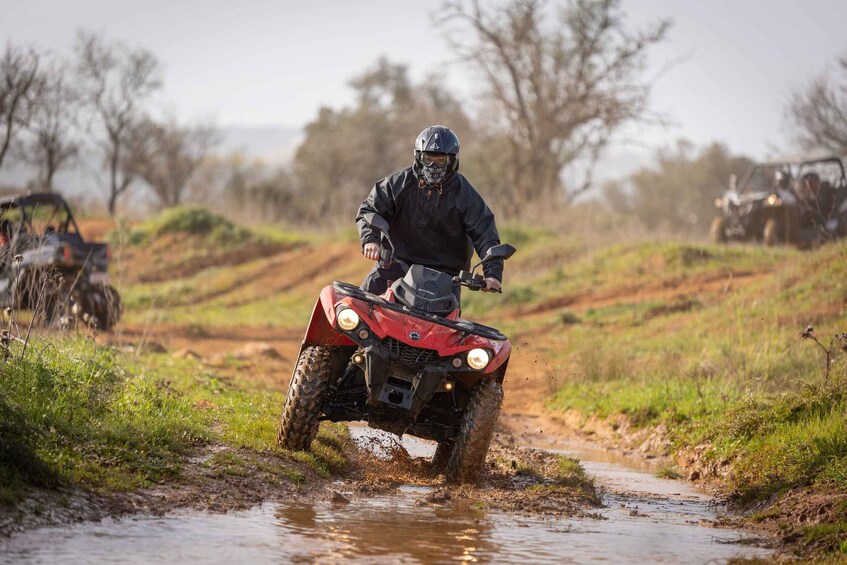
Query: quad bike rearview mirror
[(502, 251)]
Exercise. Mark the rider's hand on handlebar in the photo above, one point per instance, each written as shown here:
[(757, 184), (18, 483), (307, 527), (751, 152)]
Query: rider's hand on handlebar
[(491, 285), (371, 251)]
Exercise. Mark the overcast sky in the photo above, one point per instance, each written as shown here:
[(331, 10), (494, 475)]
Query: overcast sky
[(276, 62)]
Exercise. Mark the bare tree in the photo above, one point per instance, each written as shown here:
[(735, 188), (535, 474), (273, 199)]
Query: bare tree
[(166, 155), (53, 143), (559, 90), (116, 81), (19, 80), (818, 113)]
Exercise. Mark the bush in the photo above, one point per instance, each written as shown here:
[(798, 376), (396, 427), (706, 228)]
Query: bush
[(190, 220)]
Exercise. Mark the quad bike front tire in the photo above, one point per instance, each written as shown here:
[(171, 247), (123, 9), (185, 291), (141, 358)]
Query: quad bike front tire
[(475, 432), (717, 231), (309, 382)]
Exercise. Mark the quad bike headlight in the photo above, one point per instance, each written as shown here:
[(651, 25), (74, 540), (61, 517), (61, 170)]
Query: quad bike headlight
[(348, 319), (478, 358)]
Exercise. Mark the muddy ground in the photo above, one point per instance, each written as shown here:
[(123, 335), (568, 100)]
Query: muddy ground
[(221, 479)]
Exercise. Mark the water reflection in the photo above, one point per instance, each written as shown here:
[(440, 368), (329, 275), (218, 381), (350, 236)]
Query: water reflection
[(395, 528)]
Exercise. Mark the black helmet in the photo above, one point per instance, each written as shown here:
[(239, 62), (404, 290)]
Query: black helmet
[(431, 142), (437, 139)]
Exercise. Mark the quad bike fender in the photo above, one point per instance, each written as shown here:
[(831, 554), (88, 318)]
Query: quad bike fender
[(448, 342), (321, 329), (383, 322), (498, 363)]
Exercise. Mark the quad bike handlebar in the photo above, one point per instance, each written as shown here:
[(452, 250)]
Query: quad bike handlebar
[(473, 281)]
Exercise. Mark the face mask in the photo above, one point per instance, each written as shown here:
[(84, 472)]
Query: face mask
[(434, 175)]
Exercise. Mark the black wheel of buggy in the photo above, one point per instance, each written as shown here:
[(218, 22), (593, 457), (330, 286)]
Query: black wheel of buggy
[(475, 432), (61, 305), (105, 307), (309, 382), (773, 233), (717, 231), (442, 455)]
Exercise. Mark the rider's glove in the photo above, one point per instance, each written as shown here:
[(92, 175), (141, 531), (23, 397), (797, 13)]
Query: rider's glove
[(491, 285)]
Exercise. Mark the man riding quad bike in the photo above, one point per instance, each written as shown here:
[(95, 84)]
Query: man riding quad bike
[(396, 353), (47, 267)]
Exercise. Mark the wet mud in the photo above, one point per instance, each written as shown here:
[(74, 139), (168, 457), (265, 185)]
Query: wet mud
[(393, 505)]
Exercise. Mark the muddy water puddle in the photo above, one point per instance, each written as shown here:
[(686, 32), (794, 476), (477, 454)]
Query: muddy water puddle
[(645, 520)]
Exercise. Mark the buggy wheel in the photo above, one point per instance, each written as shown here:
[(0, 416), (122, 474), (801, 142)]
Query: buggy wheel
[(475, 431), (62, 305), (773, 233), (717, 231), (311, 377), (105, 307)]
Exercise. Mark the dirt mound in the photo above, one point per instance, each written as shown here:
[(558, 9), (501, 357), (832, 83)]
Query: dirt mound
[(175, 256)]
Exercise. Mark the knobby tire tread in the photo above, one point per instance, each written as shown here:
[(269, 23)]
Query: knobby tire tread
[(475, 432), (299, 422)]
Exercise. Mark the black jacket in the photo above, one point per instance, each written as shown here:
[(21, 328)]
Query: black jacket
[(439, 231)]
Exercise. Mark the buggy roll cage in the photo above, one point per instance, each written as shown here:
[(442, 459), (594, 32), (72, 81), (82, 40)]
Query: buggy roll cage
[(24, 202)]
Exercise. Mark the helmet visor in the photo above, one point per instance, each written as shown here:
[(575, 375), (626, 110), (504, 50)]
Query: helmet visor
[(428, 159)]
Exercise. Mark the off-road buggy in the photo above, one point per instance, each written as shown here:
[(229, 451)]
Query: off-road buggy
[(47, 267), (814, 211), (752, 208), (404, 362)]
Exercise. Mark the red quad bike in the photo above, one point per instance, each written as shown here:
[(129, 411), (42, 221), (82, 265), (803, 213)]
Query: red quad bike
[(404, 361)]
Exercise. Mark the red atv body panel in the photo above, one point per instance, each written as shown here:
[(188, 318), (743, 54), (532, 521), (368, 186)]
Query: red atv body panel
[(384, 322)]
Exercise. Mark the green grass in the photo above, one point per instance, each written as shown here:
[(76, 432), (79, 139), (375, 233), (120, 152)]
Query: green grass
[(782, 441), (726, 369), (72, 412), (100, 422), (668, 473), (547, 268)]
